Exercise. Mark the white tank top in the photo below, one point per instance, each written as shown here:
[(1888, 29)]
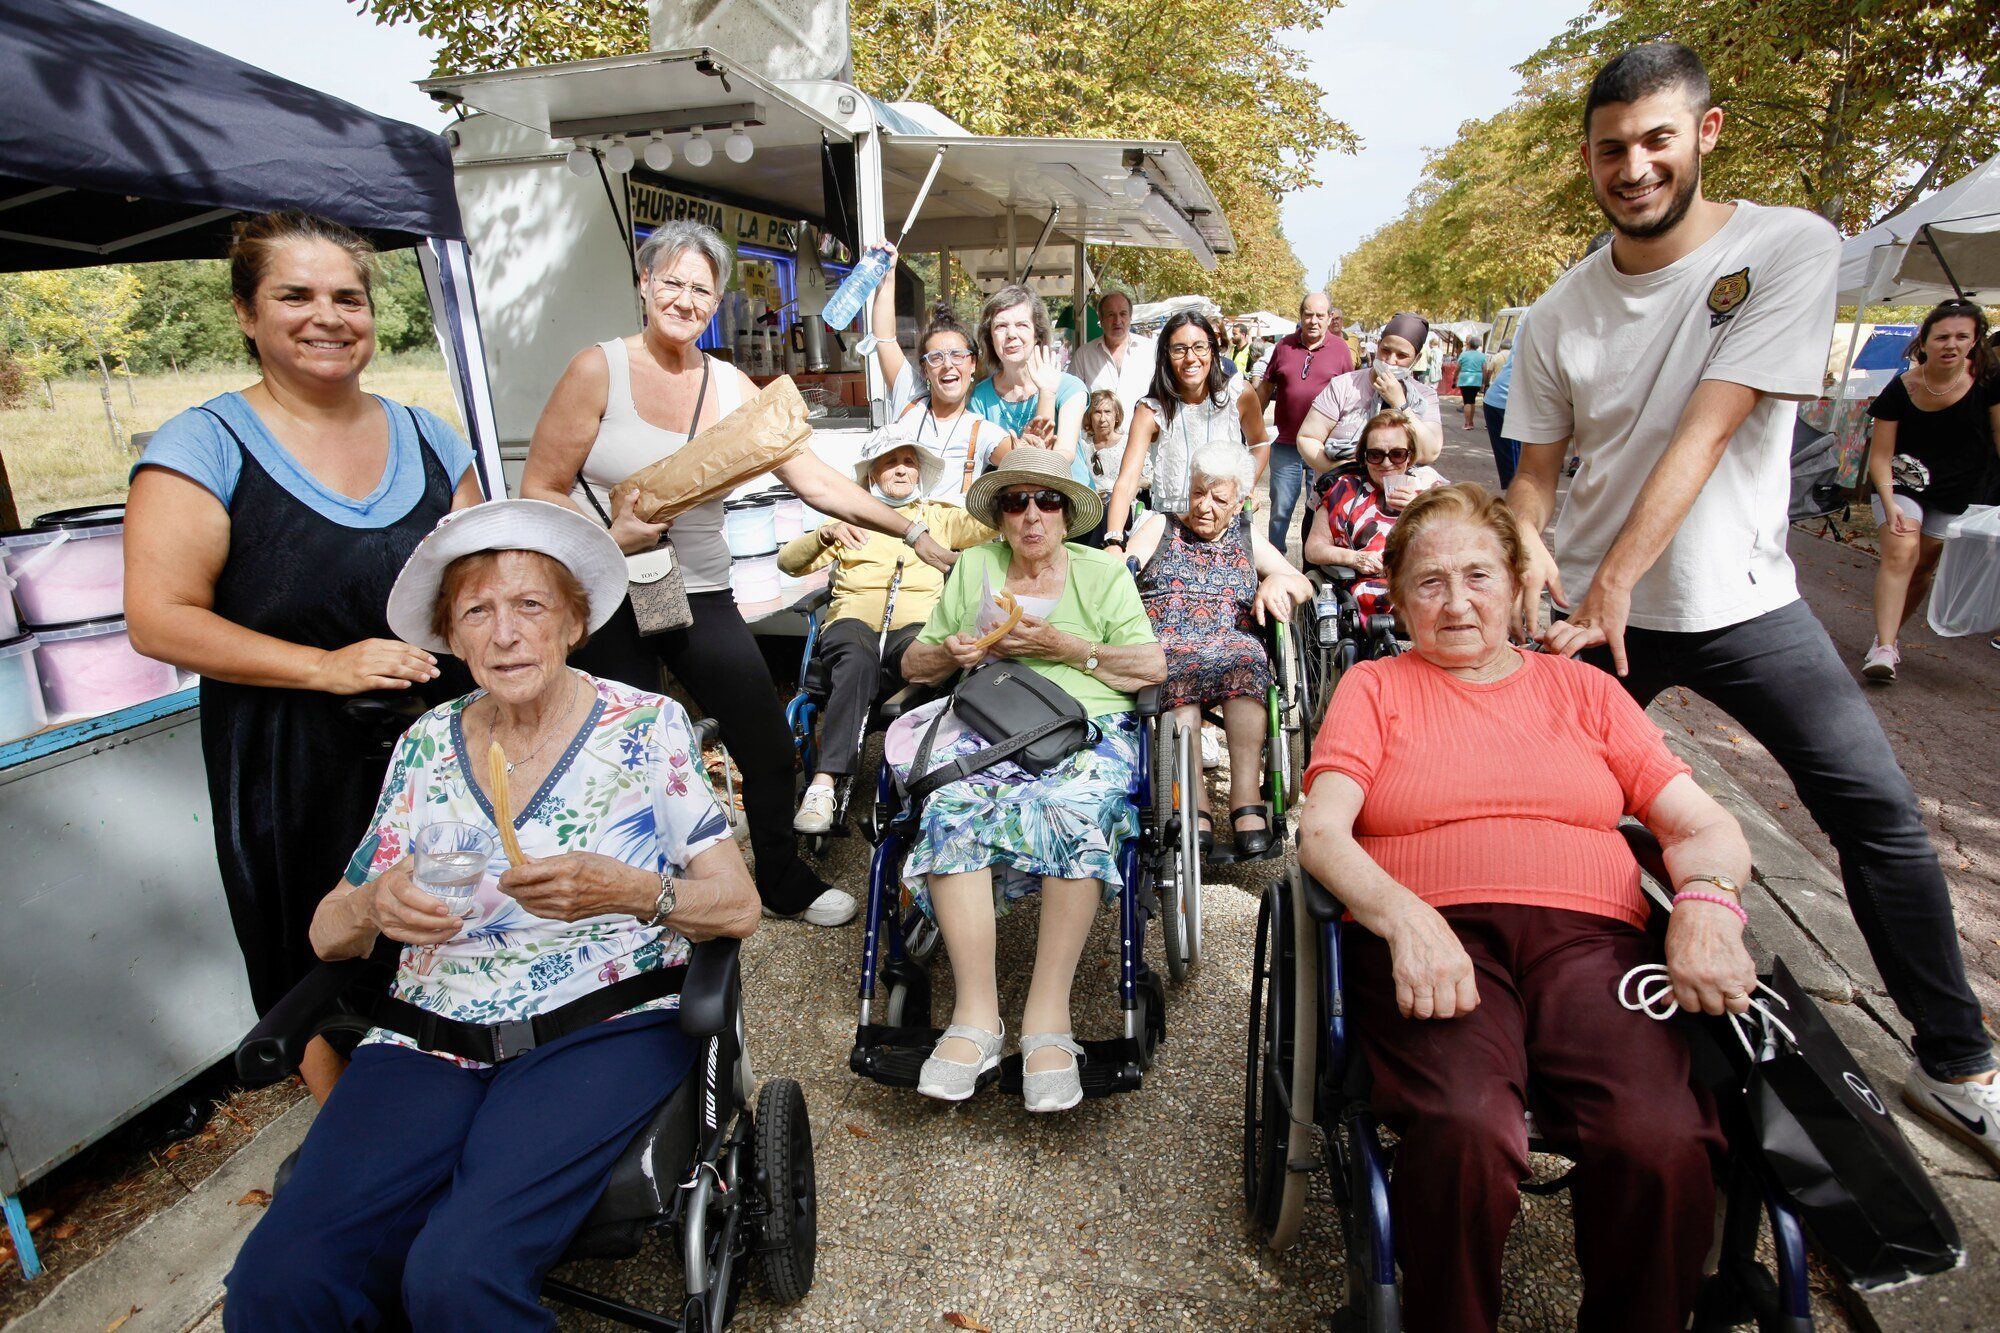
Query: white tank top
[(626, 442)]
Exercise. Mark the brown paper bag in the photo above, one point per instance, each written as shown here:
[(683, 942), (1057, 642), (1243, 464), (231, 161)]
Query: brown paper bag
[(761, 434)]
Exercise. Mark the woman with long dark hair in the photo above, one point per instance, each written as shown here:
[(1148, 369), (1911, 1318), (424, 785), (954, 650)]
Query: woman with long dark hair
[(1196, 401), (1932, 455)]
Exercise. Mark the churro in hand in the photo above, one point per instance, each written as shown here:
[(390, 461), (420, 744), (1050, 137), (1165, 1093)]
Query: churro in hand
[(1007, 603), (503, 804)]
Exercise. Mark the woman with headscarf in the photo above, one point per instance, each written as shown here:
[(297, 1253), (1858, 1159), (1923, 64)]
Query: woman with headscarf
[(1328, 434)]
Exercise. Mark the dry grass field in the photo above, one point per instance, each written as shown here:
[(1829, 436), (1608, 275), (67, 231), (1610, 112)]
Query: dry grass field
[(64, 458)]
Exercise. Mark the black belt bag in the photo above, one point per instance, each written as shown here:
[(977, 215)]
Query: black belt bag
[(496, 1043), (1021, 714)]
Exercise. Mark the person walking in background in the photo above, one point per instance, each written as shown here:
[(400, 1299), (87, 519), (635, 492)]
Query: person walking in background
[(1299, 367), (1933, 448), (1240, 349), (1674, 532), (1471, 378), (1499, 383), (1118, 359)]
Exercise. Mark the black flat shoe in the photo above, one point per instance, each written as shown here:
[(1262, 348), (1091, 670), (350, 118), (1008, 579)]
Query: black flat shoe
[(1204, 837), (1254, 841)]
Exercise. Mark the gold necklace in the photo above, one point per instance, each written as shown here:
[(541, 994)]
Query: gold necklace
[(549, 728)]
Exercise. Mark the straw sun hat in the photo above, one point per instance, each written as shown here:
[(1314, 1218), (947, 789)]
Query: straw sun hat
[(582, 547), (1029, 465), (930, 462)]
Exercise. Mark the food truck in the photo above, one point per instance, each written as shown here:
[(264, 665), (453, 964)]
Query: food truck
[(563, 169)]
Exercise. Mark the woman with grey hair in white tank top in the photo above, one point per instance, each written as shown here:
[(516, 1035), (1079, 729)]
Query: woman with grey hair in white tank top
[(629, 402)]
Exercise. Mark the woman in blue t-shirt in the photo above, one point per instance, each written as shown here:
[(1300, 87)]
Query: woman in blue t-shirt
[(1025, 384), (262, 535)]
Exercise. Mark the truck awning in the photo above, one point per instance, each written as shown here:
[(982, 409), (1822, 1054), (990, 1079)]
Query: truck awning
[(1083, 181)]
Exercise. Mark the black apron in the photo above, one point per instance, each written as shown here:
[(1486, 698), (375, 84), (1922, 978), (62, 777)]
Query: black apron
[(292, 780)]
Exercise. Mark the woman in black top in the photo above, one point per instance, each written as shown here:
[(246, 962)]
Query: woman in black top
[(1932, 452)]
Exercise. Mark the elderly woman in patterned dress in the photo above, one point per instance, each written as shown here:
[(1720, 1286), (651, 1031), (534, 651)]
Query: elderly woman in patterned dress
[(434, 1189), (1208, 579), (999, 834)]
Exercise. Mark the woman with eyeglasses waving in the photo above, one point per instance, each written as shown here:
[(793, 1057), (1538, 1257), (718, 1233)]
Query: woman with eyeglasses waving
[(935, 415), (1361, 502), (1195, 402), (628, 402)]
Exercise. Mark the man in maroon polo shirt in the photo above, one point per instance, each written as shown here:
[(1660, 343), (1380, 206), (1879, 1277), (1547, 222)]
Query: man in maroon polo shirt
[(1299, 367)]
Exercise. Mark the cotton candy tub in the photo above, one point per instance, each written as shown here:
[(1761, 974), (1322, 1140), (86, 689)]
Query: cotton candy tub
[(90, 668), (69, 567), (21, 710)]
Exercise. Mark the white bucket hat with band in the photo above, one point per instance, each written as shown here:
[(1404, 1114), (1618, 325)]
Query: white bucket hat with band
[(930, 462), (579, 545), (1028, 465)]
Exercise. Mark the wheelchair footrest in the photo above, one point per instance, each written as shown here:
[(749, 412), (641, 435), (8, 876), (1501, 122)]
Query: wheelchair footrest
[(894, 1057)]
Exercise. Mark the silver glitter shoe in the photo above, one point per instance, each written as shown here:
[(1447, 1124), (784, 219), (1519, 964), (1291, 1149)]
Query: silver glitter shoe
[(950, 1081), (1052, 1089)]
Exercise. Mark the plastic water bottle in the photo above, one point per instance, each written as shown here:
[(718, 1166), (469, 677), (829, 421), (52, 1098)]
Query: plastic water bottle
[(1326, 617), (856, 288)]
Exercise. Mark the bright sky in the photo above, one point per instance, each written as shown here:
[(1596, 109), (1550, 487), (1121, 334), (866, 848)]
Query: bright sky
[(1403, 73)]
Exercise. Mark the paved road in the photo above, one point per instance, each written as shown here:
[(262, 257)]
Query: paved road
[(1942, 718)]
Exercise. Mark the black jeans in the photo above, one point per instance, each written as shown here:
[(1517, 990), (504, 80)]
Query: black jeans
[(856, 677), (717, 662), (1781, 678)]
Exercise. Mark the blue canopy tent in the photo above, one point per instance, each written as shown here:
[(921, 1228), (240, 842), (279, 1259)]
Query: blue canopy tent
[(121, 142)]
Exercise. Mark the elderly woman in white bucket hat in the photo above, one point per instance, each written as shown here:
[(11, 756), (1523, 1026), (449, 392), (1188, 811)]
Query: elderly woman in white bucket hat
[(1002, 833), (863, 639), (465, 1179)]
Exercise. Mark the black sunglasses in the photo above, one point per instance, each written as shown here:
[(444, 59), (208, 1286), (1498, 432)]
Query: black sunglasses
[(1015, 502), (1387, 455)]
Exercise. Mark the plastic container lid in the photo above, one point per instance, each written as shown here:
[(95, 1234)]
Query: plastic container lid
[(78, 629), (757, 501), (14, 647), (90, 516), (27, 538)]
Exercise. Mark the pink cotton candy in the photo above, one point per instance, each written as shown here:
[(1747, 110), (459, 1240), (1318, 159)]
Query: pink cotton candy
[(81, 579), (91, 669)]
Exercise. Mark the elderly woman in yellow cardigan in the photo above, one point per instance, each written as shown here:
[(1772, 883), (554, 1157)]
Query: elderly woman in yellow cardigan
[(899, 469)]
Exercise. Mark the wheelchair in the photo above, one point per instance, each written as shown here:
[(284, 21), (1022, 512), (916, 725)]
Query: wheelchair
[(1333, 636), (802, 715), (1305, 1109), (727, 1180), (895, 1033)]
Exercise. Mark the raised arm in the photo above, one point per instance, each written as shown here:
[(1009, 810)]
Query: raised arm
[(1713, 413), (882, 321), (831, 493)]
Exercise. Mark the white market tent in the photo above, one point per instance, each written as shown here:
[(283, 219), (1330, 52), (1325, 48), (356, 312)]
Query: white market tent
[(1944, 245), (1264, 324), (1159, 312)]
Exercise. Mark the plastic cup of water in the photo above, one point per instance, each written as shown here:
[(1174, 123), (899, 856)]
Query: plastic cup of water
[(451, 860)]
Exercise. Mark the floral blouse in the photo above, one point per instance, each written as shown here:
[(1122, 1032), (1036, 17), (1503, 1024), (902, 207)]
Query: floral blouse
[(630, 786)]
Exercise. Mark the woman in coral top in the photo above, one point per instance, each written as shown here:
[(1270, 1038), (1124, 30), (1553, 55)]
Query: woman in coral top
[(1464, 802)]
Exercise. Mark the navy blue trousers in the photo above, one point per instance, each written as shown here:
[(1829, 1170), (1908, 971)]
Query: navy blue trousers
[(446, 1193)]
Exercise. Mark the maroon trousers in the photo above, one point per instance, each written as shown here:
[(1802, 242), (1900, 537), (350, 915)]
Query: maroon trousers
[(1609, 1088)]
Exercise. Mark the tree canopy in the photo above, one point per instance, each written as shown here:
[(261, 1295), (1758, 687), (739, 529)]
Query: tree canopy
[(1851, 108), (1215, 75)]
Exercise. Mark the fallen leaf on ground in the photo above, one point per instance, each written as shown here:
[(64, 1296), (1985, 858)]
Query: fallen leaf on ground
[(119, 1322), (261, 1198), (64, 1232), (40, 1218), (965, 1321), (858, 1131)]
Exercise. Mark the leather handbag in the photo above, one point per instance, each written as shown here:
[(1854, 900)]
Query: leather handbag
[(655, 587), (1021, 715)]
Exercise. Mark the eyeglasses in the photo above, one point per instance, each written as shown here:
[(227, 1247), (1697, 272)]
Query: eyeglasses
[(1015, 502), (673, 289), (1188, 352), (1386, 455), (1306, 369), (948, 357)]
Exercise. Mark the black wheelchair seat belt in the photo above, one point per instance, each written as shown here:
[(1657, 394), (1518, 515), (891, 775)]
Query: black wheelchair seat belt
[(495, 1043)]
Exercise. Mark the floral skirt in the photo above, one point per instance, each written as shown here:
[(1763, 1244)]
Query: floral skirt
[(1068, 822)]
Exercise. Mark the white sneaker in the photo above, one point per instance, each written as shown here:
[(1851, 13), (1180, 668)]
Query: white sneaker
[(835, 907), (1211, 748), (1968, 1111), (1881, 661), (815, 811)]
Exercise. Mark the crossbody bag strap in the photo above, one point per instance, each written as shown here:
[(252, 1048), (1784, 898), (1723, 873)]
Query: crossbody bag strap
[(700, 397), (967, 765)]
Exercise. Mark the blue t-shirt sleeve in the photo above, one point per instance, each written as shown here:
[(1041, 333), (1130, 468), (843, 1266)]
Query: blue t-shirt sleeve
[(194, 444), (1068, 387), (449, 446)]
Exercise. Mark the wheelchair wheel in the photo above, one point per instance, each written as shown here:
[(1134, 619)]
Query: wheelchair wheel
[(785, 1169), (1190, 879), (1167, 827), (1152, 1017), (1268, 1063)]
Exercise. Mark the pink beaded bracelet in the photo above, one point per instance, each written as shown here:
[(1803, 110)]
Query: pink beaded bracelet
[(1689, 895)]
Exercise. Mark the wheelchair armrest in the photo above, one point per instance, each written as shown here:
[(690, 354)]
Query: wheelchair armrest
[(815, 601), (1345, 575), (275, 1046), (1149, 701), (909, 697), (1320, 905), (709, 991), (1646, 850), (706, 732)]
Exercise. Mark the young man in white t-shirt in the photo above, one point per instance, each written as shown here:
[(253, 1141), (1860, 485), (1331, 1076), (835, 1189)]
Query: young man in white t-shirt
[(1675, 358)]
